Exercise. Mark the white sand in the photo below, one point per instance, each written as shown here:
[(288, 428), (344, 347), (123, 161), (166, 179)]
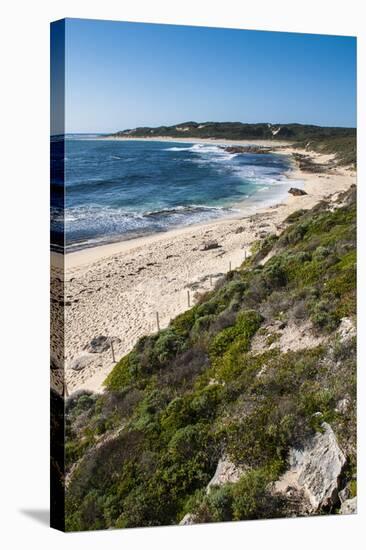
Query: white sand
[(258, 142), (115, 290)]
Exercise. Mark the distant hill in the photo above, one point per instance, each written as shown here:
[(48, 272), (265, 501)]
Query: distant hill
[(337, 140), (239, 130)]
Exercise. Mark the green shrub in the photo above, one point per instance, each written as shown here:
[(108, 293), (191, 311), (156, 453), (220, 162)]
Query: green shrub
[(251, 496), (246, 325), (168, 344)]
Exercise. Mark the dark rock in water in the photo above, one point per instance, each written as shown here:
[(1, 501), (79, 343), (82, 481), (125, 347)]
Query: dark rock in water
[(210, 245), (297, 192), (253, 149)]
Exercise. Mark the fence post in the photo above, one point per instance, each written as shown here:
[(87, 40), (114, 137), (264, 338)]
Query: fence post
[(157, 321), (245, 254), (230, 266), (112, 350), (188, 298), (210, 280)]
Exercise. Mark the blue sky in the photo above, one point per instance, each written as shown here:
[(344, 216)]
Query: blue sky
[(123, 75)]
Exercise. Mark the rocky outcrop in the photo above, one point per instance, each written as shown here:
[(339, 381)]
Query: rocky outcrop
[(307, 164), (226, 472), (347, 329), (316, 469), (188, 519), (296, 192), (253, 149), (349, 506)]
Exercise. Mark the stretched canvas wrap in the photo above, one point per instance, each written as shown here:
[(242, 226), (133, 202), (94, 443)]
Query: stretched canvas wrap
[(203, 283)]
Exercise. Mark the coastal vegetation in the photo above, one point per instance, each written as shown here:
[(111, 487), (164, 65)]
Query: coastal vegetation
[(229, 380), (338, 141)]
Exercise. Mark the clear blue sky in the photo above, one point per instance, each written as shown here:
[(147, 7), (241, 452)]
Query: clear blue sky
[(123, 75)]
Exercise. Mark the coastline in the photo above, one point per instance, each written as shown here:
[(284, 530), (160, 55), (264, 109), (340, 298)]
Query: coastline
[(115, 290), (216, 141)]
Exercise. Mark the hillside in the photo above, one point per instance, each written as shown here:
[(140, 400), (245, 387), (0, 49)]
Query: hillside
[(245, 406), (333, 140)]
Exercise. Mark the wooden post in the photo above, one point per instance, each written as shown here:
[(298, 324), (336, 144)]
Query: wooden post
[(210, 280), (112, 350), (157, 321), (188, 299), (245, 254), (229, 266)]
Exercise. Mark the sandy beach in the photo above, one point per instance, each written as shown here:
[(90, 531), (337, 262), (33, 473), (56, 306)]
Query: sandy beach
[(116, 290), (257, 142)]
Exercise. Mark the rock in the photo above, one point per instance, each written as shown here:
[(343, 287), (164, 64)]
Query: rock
[(210, 245), (100, 344), (346, 329), (226, 472), (239, 229), (343, 405), (316, 468), (253, 149), (187, 520), (296, 192), (85, 360), (349, 506), (344, 494)]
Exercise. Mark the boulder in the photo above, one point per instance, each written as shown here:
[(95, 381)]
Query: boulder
[(346, 329), (226, 472), (85, 360), (296, 192), (187, 520), (349, 506), (210, 245), (100, 344), (316, 468), (343, 405)]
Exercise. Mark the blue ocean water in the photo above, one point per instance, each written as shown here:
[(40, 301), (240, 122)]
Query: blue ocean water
[(117, 190)]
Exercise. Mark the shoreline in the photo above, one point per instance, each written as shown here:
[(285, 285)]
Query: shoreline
[(115, 290), (216, 141), (243, 209)]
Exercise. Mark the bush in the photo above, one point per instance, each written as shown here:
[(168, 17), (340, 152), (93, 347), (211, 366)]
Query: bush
[(246, 325), (251, 496)]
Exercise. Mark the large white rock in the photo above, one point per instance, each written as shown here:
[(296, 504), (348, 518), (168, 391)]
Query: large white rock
[(349, 506), (226, 472), (318, 466), (315, 469)]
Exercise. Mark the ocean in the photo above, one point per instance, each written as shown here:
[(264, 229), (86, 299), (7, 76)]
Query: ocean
[(116, 190)]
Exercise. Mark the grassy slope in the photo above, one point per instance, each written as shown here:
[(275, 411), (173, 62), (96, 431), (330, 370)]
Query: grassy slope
[(146, 449)]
